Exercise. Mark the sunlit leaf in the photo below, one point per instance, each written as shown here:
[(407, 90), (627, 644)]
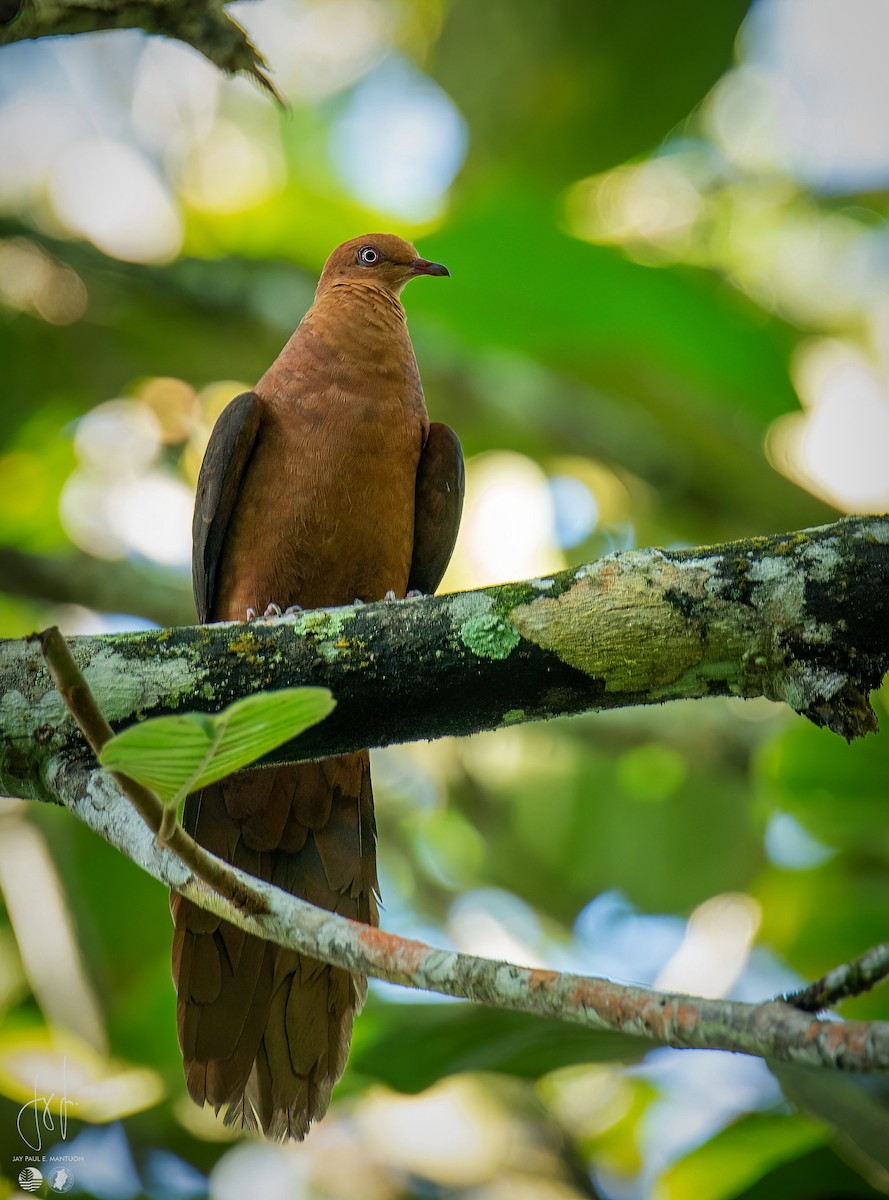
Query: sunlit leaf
[(69, 1079), (819, 1173), (177, 755), (734, 1159)]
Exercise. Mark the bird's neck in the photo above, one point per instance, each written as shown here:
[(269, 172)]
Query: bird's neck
[(357, 331), (347, 303), (358, 321)]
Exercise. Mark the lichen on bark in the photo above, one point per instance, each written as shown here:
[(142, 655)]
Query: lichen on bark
[(652, 646)]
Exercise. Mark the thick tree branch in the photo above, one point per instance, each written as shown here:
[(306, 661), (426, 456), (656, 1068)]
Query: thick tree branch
[(773, 1030), (204, 25), (802, 617)]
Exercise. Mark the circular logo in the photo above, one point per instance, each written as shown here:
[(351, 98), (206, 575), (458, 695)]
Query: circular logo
[(60, 1179), (30, 1179)]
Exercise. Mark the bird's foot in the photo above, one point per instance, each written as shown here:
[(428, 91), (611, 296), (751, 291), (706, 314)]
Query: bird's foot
[(273, 610), (413, 594), (357, 602)]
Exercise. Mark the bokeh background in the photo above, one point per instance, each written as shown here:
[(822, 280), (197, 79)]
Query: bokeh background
[(667, 323)]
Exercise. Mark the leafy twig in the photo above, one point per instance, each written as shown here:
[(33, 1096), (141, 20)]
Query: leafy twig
[(849, 979), (82, 705)]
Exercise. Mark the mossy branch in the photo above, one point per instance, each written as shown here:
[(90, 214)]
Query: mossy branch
[(801, 618)]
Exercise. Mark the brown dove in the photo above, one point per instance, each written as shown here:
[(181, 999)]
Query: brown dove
[(324, 485)]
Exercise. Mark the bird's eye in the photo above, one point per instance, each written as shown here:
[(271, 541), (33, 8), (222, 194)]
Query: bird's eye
[(368, 255)]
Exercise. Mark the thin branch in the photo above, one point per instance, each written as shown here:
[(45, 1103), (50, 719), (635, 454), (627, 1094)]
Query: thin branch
[(158, 593), (847, 980), (773, 1030), (74, 690), (802, 618), (81, 703)]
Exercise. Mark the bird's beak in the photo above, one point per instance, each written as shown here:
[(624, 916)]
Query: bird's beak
[(422, 266)]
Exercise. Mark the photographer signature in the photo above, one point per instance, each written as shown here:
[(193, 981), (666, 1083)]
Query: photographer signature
[(36, 1116)]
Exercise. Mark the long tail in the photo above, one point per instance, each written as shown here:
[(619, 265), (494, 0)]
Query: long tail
[(264, 1030)]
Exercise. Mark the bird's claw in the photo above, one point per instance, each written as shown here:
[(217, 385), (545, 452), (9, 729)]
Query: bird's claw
[(273, 610), (414, 594), (390, 595), (357, 602), (291, 609)]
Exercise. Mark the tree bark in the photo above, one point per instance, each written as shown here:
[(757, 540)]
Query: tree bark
[(801, 618)]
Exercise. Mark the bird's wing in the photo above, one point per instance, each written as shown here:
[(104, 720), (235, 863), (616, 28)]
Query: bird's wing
[(228, 452), (438, 504)]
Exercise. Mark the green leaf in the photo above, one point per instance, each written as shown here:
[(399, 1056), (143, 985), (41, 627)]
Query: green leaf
[(837, 791), (818, 1174), (857, 1108), (734, 1159), (177, 755), (558, 84), (411, 1046)]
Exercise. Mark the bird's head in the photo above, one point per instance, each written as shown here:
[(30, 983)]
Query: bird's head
[(380, 259)]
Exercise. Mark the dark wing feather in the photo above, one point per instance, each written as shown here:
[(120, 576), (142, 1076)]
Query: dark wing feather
[(228, 452), (438, 503)]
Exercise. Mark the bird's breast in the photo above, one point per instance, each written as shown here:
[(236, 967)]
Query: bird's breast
[(326, 511)]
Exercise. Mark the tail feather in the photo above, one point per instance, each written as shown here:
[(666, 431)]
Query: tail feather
[(260, 1089), (205, 976), (225, 1078), (240, 1114), (233, 939), (230, 1021), (196, 1080), (277, 1045), (265, 1031)]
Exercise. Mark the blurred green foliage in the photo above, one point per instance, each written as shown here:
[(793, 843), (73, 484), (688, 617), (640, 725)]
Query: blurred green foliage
[(655, 386)]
